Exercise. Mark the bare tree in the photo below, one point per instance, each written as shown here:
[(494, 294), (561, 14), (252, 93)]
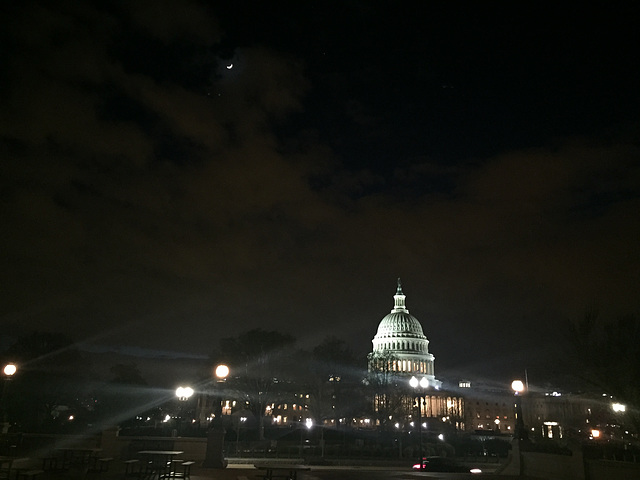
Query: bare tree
[(386, 403), (259, 362), (607, 355)]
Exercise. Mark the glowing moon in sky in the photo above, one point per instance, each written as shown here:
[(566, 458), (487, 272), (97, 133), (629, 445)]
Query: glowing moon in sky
[(230, 66)]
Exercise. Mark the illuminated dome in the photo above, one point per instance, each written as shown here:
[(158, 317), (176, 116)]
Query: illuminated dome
[(399, 330), (400, 323), (400, 344)]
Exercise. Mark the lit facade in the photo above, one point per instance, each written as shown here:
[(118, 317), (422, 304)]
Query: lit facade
[(549, 415), (292, 411)]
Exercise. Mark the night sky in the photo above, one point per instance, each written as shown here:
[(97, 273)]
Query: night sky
[(176, 172)]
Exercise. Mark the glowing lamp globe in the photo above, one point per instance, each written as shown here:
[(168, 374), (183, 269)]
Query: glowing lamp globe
[(184, 393), (222, 371), (517, 386)]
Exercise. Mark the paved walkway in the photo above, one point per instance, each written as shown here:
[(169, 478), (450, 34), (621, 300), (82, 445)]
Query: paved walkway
[(248, 472)]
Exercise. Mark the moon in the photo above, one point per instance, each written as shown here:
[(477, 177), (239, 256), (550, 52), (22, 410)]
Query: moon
[(230, 66)]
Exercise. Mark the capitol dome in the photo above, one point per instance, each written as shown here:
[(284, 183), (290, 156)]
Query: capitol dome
[(400, 344), (400, 323)]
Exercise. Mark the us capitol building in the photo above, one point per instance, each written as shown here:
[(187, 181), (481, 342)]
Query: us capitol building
[(400, 346), (403, 371)]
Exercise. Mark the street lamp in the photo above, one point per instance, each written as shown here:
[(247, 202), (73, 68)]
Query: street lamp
[(214, 457), (9, 371), (183, 394), (421, 384), (221, 373), (308, 423), (240, 421), (518, 387)]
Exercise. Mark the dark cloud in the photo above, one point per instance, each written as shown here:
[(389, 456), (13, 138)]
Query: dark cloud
[(165, 201)]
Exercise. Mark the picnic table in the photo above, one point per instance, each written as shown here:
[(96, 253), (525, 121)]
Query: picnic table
[(157, 464), (280, 470), (5, 466), (77, 456), (19, 468)]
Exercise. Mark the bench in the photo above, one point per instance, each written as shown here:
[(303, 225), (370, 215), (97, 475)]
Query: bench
[(130, 467), (186, 470), (179, 469), (28, 474), (25, 468), (50, 462), (101, 464), (275, 470)]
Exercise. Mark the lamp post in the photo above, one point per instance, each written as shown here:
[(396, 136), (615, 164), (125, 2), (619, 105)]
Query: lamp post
[(308, 423), (9, 371), (520, 433), (418, 387), (518, 387), (183, 394), (240, 421), (214, 457)]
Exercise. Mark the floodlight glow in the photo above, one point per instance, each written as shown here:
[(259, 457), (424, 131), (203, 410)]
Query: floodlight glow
[(10, 369), (414, 382), (424, 382)]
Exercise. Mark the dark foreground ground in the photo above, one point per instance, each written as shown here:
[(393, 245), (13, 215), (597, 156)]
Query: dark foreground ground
[(249, 472)]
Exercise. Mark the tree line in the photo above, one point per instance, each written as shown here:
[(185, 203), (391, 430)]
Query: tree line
[(56, 382)]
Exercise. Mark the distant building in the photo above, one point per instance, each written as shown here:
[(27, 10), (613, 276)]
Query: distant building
[(545, 414), (290, 411), (488, 409)]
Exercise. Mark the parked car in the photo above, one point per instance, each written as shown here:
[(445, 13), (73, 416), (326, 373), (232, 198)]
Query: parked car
[(444, 464)]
